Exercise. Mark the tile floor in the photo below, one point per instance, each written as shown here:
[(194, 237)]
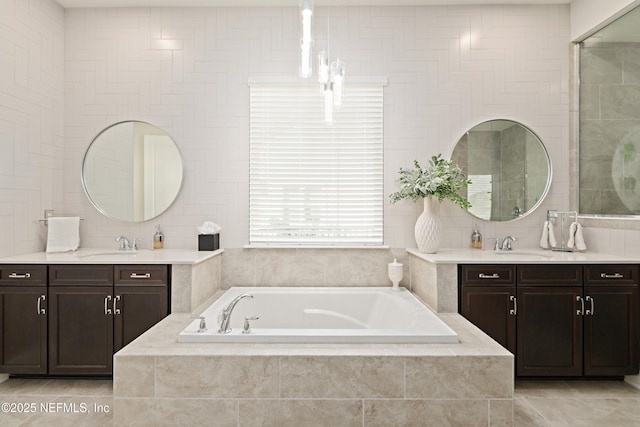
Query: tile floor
[(48, 402)]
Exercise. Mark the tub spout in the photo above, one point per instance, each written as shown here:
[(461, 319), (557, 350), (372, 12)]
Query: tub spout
[(226, 313)]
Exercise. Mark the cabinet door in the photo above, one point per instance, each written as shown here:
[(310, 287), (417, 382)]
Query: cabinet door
[(23, 329), (549, 331), (611, 330), (492, 309), (80, 330), (136, 309)]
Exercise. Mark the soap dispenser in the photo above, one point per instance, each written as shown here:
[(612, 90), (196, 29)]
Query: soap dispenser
[(158, 238), (476, 239)]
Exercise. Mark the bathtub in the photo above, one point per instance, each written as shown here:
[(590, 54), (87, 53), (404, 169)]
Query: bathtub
[(323, 315)]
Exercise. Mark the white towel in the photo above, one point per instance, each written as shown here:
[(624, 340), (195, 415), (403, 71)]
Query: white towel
[(63, 234), (572, 235), (544, 240), (552, 236), (580, 245)]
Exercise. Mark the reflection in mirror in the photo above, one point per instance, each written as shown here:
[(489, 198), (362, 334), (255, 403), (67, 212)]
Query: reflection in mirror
[(132, 171), (609, 136), (509, 168)]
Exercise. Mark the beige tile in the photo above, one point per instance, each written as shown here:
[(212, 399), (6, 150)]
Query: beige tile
[(77, 387), (443, 413), (175, 412), (525, 415), (366, 267), (543, 388), (238, 267), (604, 388), (289, 267), (317, 413), (468, 377), (582, 411), (134, 376), (341, 377), (26, 387), (501, 413), (216, 377)]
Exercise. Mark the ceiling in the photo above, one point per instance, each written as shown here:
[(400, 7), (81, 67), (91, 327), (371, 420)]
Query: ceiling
[(221, 3)]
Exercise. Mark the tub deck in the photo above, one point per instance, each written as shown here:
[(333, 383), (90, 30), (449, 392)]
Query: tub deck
[(159, 381)]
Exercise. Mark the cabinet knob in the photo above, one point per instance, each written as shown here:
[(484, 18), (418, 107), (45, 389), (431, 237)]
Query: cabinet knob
[(116, 310), (580, 311), (41, 311), (107, 310), (15, 275), (488, 276), (140, 276), (514, 310), (592, 306)]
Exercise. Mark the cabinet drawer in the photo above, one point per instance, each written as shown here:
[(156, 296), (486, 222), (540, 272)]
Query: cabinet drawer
[(550, 275), (611, 274), (95, 274), (141, 275), (486, 275), (23, 274)]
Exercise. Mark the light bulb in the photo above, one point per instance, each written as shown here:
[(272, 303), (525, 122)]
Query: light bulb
[(305, 61), (323, 67), (337, 77), (306, 7)]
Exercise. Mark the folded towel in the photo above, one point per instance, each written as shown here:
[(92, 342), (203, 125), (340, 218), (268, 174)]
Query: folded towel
[(63, 234), (544, 240), (552, 236), (580, 245), (572, 235)]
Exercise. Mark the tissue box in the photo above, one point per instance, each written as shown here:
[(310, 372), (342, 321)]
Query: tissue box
[(208, 242)]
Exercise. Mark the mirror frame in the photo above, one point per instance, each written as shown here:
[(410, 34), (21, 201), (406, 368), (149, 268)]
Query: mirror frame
[(84, 183), (547, 187)]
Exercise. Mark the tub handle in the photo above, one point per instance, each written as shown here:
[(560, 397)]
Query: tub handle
[(15, 275), (247, 327), (592, 303), (514, 310), (489, 276), (203, 324), (41, 311)]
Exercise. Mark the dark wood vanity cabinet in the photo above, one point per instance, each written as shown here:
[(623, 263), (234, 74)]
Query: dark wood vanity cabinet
[(23, 319), (71, 319), (570, 320), (94, 310), (487, 299)]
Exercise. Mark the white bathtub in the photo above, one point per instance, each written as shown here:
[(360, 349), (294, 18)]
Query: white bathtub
[(323, 315)]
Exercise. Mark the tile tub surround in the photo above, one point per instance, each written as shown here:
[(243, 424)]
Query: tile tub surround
[(469, 383), (195, 276)]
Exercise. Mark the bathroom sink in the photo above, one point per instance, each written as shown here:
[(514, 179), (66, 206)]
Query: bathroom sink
[(108, 254)]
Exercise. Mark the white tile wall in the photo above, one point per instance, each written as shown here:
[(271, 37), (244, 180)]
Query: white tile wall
[(31, 120), (186, 70)]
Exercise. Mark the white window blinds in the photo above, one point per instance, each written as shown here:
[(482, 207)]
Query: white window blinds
[(312, 183)]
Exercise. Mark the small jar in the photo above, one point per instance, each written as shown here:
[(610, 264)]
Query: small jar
[(476, 239)]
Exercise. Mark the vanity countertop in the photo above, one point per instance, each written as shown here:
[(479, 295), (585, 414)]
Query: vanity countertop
[(520, 256), (110, 256)]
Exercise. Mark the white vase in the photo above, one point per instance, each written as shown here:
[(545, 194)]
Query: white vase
[(428, 231)]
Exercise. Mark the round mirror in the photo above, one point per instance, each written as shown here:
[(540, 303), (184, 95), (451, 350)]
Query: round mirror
[(132, 171), (509, 168)]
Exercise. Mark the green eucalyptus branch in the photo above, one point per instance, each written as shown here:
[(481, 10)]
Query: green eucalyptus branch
[(440, 178)]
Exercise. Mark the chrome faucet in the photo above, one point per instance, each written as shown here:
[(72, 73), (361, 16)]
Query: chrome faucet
[(226, 313), (126, 245), (504, 244)]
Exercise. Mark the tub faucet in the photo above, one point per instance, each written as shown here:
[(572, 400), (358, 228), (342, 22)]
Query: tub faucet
[(226, 313)]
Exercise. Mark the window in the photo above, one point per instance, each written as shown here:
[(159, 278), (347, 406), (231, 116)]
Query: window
[(312, 183)]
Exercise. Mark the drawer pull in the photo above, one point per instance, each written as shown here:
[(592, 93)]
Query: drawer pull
[(611, 276), (592, 309), (116, 310), (489, 276), (140, 276), (514, 310), (580, 311), (19, 276), (107, 310), (41, 311)]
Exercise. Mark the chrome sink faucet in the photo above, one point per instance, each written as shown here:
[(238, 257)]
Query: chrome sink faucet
[(504, 244), (126, 244), (226, 313)]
